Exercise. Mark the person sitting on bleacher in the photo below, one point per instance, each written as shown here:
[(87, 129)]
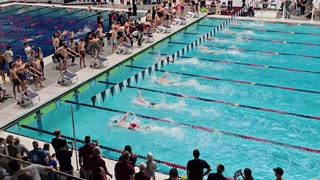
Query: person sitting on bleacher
[(32, 171)]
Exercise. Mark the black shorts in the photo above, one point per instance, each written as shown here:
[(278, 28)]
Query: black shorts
[(16, 82), (59, 57), (167, 16)]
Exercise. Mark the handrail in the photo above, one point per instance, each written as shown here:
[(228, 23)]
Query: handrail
[(29, 163)]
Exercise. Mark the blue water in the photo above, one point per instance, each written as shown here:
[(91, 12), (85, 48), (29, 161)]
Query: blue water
[(174, 143), (36, 25)]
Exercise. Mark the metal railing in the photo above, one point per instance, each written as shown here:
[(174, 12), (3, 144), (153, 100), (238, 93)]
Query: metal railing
[(5, 160)]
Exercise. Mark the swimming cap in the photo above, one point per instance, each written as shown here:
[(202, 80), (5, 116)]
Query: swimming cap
[(115, 27), (126, 25)]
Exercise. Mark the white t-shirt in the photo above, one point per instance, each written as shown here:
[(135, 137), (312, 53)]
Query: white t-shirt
[(34, 170), (27, 50), (8, 54)]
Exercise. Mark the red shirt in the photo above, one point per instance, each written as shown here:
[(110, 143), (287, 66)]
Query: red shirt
[(95, 162), (84, 152), (141, 176), (123, 170)]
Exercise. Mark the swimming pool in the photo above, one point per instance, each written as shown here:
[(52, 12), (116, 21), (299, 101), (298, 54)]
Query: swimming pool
[(36, 24), (251, 103)]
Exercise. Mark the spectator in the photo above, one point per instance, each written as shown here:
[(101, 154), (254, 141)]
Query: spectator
[(247, 174), (151, 166), (132, 157), (13, 150), (28, 50), (3, 62), (101, 174), (141, 175), (218, 175), (123, 169), (84, 153), (34, 170), (24, 151), (9, 55), (56, 142), (278, 172), (53, 162), (46, 149), (196, 166), (64, 157), (2, 146), (95, 161), (37, 155), (173, 174)]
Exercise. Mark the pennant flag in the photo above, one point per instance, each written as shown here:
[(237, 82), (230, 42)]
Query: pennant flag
[(120, 86), (132, 80), (128, 81), (124, 83), (136, 77), (149, 70), (112, 90), (93, 99), (103, 95), (116, 88), (98, 96), (108, 93), (143, 72)]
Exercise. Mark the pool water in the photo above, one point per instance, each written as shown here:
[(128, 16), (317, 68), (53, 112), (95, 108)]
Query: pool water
[(210, 94), (36, 24)]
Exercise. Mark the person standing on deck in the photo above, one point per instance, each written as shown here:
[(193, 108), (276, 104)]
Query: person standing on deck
[(196, 166)]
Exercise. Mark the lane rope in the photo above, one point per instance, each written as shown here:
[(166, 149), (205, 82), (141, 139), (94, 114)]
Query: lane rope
[(224, 102), (231, 80), (201, 128), (244, 64), (275, 31), (259, 51), (104, 147), (29, 25)]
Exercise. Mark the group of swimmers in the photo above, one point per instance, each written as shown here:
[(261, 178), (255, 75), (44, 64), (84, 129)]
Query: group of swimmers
[(141, 101)]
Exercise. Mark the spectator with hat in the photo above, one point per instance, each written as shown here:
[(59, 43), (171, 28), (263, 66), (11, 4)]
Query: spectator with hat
[(278, 172)]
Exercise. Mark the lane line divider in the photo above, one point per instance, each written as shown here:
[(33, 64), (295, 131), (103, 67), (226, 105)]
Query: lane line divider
[(244, 64), (274, 41), (231, 80), (201, 128), (104, 147), (18, 29), (29, 18), (223, 102), (275, 31), (259, 51), (5, 12)]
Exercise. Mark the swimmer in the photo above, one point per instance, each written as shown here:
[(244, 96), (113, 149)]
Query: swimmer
[(211, 39), (143, 101), (163, 79), (131, 125), (209, 51), (227, 31)]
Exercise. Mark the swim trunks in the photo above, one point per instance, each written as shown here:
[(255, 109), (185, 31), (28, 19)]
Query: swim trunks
[(22, 76)]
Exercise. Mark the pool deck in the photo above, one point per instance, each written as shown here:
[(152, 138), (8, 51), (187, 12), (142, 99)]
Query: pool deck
[(10, 111)]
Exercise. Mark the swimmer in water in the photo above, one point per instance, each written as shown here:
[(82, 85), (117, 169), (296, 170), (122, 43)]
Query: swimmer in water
[(209, 51), (163, 79), (228, 31), (131, 125), (143, 101), (211, 39)]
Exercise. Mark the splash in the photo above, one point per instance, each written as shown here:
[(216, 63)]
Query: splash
[(192, 61)]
